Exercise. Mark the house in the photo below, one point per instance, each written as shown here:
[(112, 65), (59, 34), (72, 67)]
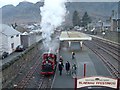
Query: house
[(10, 39), (101, 26), (106, 25)]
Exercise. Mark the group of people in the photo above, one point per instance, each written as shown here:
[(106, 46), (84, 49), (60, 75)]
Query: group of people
[(67, 66)]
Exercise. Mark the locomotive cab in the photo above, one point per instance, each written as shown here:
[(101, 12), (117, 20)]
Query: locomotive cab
[(47, 67)]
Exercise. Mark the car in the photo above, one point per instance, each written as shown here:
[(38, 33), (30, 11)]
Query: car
[(19, 48), (4, 55)]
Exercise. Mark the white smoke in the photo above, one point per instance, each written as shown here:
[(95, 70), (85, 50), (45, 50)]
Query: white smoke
[(53, 14)]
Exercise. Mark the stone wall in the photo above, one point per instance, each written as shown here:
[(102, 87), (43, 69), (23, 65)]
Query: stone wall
[(19, 64)]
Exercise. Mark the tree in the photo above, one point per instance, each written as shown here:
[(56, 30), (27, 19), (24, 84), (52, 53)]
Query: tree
[(76, 19), (86, 19), (14, 25)]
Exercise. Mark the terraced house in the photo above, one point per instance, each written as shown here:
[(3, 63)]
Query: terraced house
[(10, 39)]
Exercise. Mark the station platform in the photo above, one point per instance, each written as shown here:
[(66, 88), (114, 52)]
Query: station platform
[(94, 66)]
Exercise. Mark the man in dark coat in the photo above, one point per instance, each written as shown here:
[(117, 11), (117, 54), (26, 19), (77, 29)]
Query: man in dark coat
[(60, 67), (67, 66), (61, 60)]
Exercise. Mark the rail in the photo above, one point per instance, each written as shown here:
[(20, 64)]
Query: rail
[(111, 67)]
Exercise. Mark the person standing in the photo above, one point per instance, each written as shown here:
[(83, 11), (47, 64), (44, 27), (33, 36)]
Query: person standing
[(61, 60), (74, 68), (67, 66), (60, 67), (73, 55)]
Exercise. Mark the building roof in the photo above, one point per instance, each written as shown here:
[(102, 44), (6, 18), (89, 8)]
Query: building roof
[(25, 33), (7, 30), (74, 36)]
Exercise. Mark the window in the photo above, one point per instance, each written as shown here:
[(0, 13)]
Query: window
[(12, 36), (12, 45), (17, 35)]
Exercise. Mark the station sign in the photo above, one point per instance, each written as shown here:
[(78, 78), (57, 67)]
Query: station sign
[(97, 81)]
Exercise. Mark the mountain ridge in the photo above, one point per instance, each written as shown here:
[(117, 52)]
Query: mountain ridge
[(26, 12)]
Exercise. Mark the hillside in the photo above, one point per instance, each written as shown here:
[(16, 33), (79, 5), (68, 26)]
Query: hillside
[(26, 12)]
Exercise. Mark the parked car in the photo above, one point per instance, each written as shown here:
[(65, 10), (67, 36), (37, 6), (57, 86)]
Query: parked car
[(4, 55), (19, 48)]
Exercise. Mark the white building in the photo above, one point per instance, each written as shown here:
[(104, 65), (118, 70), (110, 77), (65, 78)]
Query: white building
[(27, 39), (9, 39)]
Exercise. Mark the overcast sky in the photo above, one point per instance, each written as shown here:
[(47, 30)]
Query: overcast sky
[(15, 2)]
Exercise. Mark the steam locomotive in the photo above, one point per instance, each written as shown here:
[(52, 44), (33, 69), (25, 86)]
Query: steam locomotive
[(48, 64)]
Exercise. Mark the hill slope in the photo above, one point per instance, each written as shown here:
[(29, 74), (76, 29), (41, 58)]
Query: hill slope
[(26, 12)]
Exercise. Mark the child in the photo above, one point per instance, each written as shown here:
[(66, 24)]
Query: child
[(74, 68), (73, 55)]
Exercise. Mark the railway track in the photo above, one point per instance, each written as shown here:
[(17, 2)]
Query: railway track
[(115, 47), (107, 42), (46, 83), (25, 80), (111, 51), (42, 82), (112, 68), (14, 83)]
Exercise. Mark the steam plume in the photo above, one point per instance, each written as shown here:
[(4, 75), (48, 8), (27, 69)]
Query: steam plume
[(53, 13)]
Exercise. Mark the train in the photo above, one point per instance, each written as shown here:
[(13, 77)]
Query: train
[(48, 63)]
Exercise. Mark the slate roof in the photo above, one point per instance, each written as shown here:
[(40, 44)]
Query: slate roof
[(7, 30)]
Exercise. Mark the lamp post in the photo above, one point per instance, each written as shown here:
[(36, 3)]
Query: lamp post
[(103, 33)]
